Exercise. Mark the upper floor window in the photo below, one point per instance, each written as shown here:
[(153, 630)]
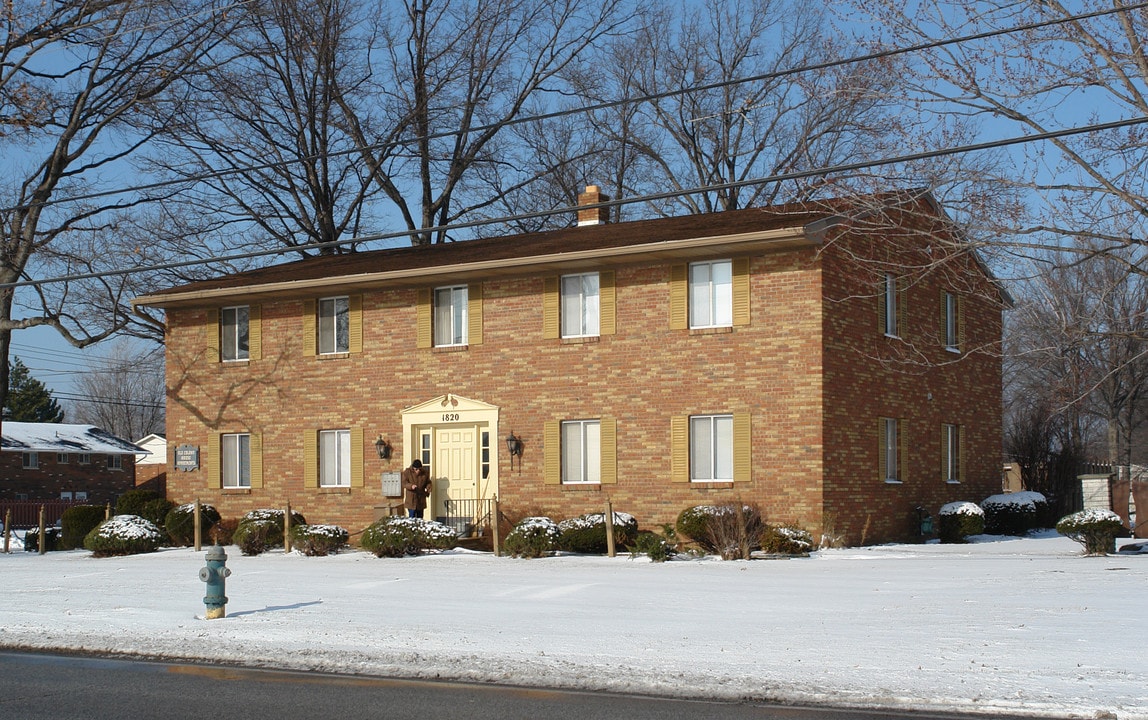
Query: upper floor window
[(580, 305), (234, 328), (84, 458), (450, 316), (889, 306), (31, 460), (581, 451), (115, 462), (711, 448), (62, 458), (711, 294), (334, 325), (335, 458), (951, 321), (236, 457)]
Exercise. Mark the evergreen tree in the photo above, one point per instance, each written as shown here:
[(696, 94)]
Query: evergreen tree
[(28, 399)]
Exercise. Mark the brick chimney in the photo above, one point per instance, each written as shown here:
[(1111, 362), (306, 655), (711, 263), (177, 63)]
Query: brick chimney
[(593, 216)]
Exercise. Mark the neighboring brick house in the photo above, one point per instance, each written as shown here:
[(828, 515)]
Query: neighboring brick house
[(57, 461), (837, 364)]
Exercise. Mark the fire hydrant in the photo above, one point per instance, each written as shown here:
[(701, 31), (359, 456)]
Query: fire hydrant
[(215, 575)]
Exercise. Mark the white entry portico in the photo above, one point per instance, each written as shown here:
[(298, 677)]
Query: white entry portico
[(455, 437)]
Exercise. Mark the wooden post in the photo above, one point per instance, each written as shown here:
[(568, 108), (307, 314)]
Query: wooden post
[(495, 514), (198, 530), (610, 549), (43, 530), (108, 511), (287, 528), (7, 529)]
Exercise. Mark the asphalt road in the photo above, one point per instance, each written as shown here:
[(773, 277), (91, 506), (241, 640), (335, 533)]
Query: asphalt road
[(47, 687)]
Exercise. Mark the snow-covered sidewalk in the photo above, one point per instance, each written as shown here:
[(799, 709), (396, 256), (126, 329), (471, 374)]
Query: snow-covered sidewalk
[(1003, 625)]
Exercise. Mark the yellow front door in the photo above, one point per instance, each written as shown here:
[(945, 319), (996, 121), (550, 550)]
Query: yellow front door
[(455, 471)]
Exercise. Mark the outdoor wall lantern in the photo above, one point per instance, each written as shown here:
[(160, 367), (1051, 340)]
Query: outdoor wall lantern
[(384, 448), (514, 447)]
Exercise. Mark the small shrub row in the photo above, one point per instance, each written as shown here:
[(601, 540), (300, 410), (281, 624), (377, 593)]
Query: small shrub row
[(319, 540), (958, 520), (1096, 530), (261, 530), (533, 537), (400, 536), (1014, 513), (124, 535)]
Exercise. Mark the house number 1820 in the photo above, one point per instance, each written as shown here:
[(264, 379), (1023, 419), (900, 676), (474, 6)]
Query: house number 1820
[(450, 417)]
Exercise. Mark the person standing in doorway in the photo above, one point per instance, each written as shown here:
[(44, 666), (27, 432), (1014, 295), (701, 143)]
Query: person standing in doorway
[(416, 488)]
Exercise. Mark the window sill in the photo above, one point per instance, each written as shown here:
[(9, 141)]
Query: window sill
[(893, 336), (235, 363), (952, 482), (236, 491), (952, 349), (894, 481), (725, 330), (581, 487), (711, 485), (334, 356), (580, 340), (450, 349), (335, 490)]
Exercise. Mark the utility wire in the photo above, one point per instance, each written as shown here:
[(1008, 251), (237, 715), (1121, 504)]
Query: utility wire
[(781, 177), (893, 52)]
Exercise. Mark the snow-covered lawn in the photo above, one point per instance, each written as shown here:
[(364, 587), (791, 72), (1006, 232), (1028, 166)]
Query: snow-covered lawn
[(1002, 625)]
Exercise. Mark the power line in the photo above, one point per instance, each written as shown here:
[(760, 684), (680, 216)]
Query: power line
[(781, 177), (73, 397), (774, 75)]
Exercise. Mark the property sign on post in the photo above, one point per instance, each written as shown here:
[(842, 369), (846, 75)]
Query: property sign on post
[(187, 458), (392, 484)]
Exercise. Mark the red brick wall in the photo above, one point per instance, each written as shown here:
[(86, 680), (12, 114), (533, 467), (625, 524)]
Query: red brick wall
[(642, 375), (52, 478)]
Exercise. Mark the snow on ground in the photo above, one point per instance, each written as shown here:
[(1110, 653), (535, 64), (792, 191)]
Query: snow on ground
[(1026, 626)]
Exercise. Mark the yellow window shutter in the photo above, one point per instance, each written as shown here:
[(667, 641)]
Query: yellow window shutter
[(309, 332), (608, 436), (211, 462), (742, 448), (256, 460), (882, 455), (680, 448), (255, 332), (474, 314), (944, 452), (310, 459), (355, 323), (552, 452), (550, 302), (423, 319), (357, 469), (211, 334), (903, 451), (607, 303), (679, 297), (741, 291)]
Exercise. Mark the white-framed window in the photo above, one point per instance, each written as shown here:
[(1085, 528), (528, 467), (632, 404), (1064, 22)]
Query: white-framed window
[(450, 315), (951, 453), (61, 458), (234, 327), (580, 305), (711, 294), (951, 321), (65, 495), (581, 452), (115, 462), (890, 459), (236, 461), (31, 460), (334, 325), (81, 494), (84, 458), (711, 448), (889, 301), (334, 458), (484, 467)]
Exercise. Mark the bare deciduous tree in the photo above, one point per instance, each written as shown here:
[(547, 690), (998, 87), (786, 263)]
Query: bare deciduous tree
[(124, 392)]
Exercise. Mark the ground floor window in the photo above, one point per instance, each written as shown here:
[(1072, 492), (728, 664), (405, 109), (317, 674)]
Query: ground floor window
[(335, 458), (581, 451), (236, 451), (951, 437), (711, 448), (891, 453)]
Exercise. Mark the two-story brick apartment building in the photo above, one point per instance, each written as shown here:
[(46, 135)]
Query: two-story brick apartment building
[(836, 364)]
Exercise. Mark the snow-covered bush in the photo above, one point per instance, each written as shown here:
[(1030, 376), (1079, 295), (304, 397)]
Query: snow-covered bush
[(124, 535), (653, 546), (51, 540), (180, 522), (587, 533), (731, 530), (319, 540), (1096, 530), (77, 521), (260, 530), (958, 520), (400, 536), (786, 540), (147, 504), (533, 537), (1013, 513)]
